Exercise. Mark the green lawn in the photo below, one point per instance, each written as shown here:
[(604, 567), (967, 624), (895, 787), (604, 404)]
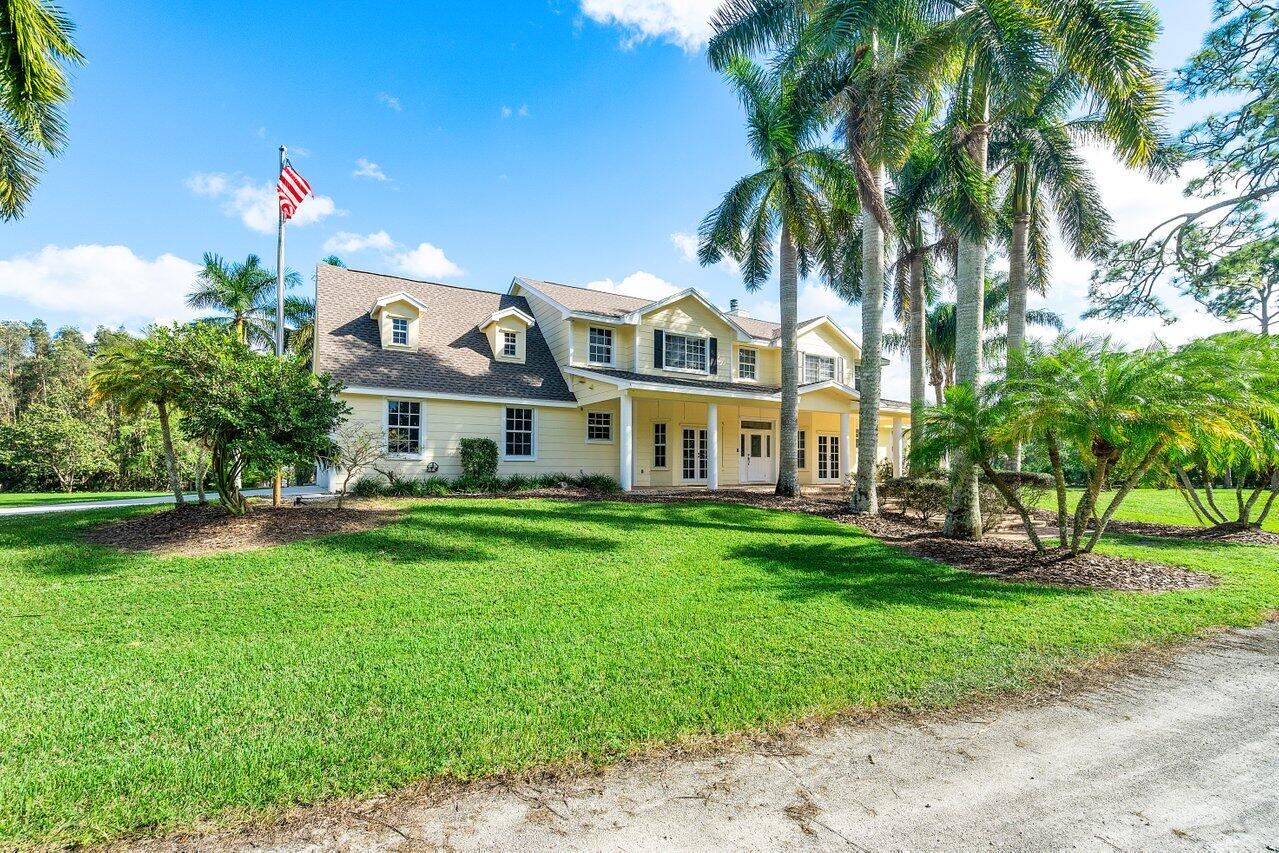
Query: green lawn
[(142, 693), (8, 499), (1164, 506)]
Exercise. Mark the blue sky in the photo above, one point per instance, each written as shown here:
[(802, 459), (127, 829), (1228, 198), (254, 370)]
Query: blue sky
[(576, 140)]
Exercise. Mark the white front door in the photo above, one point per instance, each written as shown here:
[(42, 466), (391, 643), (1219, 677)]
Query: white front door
[(755, 452)]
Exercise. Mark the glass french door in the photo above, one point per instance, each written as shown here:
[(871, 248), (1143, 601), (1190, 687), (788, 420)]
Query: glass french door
[(828, 457), (695, 451)]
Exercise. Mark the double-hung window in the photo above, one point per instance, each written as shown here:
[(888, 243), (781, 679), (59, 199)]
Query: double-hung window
[(517, 433), (802, 449), (746, 364), (659, 445), (403, 428), (399, 331), (510, 344), (684, 352), (599, 345), (599, 426), (818, 368)]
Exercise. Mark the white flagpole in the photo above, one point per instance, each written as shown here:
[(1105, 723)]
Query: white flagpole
[(279, 272), (277, 485)]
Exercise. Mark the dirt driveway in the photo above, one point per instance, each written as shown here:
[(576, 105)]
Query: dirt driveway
[(1184, 756)]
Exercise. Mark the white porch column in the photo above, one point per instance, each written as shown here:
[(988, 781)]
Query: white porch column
[(898, 460), (712, 446), (845, 451), (627, 443)]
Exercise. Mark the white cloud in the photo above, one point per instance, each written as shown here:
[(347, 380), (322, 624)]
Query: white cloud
[(366, 168), (523, 111), (257, 205), (390, 101), (682, 22), (346, 242), (641, 284), (107, 285), (426, 261), (506, 111), (687, 245)]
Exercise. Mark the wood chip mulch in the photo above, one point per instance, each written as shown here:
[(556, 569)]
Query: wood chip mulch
[(196, 530), (1234, 533)]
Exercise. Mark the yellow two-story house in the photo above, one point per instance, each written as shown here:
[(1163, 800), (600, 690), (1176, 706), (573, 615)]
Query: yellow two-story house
[(666, 393)]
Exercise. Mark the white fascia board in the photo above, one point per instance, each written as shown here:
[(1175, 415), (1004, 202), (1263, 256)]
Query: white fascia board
[(508, 312), (521, 281), (400, 296), (633, 318), (639, 385), (405, 394)]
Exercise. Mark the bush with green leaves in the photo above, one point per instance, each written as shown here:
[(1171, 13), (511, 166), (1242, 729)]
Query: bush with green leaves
[(924, 497), (479, 459)]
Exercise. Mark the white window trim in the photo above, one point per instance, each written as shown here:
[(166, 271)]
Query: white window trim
[(666, 446), (405, 321), (514, 341), (386, 429), (834, 368), (612, 427), (754, 365), (612, 347), (706, 353), (533, 456)]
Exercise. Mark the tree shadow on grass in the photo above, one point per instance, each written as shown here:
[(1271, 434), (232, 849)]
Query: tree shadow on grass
[(867, 573)]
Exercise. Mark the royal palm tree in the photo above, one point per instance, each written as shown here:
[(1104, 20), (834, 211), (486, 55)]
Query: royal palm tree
[(1008, 51), (788, 194), (135, 374), (243, 294), (35, 50), (870, 62)]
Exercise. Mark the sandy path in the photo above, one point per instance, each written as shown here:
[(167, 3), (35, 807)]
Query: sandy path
[(1184, 757)]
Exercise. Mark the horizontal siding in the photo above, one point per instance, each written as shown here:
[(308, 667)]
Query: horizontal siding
[(691, 318), (554, 327), (623, 344), (821, 341)]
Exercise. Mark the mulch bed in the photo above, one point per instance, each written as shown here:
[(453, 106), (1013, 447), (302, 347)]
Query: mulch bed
[(1218, 533), (194, 530)]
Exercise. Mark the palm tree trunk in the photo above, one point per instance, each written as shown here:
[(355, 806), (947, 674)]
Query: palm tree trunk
[(963, 519), (916, 321), (1018, 258), (788, 470), (865, 497), (170, 462)]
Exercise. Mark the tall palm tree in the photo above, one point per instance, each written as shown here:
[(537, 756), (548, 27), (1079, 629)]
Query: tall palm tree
[(869, 62), (788, 194), (135, 374), (243, 294), (35, 50), (1009, 50)]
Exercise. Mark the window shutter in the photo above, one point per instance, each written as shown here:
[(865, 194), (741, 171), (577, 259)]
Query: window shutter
[(799, 367), (840, 376), (659, 348), (712, 355)]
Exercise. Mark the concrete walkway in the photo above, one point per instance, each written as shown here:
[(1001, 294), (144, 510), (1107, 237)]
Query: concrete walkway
[(290, 492), (1183, 757)]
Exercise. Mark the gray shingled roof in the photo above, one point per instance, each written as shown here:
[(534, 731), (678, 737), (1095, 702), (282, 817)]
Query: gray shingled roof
[(453, 356)]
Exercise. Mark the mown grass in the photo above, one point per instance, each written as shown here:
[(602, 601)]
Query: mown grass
[(1162, 506), (141, 693), (8, 499)]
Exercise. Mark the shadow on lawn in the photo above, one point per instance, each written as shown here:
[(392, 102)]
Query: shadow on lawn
[(867, 573)]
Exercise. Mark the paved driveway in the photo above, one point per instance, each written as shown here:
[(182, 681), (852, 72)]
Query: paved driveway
[(1184, 757), (161, 499)]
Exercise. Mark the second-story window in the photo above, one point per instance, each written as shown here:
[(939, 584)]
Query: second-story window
[(599, 346), (746, 364), (399, 331), (683, 352), (509, 344), (818, 368)]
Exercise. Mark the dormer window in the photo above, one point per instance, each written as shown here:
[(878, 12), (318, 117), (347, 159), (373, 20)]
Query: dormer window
[(599, 348), (400, 331), (399, 319), (507, 333)]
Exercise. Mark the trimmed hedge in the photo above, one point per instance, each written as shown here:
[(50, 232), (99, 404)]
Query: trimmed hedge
[(435, 486)]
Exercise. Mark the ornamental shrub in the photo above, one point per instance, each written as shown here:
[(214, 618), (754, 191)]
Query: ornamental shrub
[(479, 459)]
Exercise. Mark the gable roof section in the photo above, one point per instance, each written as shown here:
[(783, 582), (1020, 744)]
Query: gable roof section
[(584, 299), (453, 356)]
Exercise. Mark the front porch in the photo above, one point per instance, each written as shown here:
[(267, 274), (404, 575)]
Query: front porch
[(686, 440)]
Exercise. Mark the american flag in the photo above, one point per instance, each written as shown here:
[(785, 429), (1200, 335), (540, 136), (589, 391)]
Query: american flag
[(292, 188)]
